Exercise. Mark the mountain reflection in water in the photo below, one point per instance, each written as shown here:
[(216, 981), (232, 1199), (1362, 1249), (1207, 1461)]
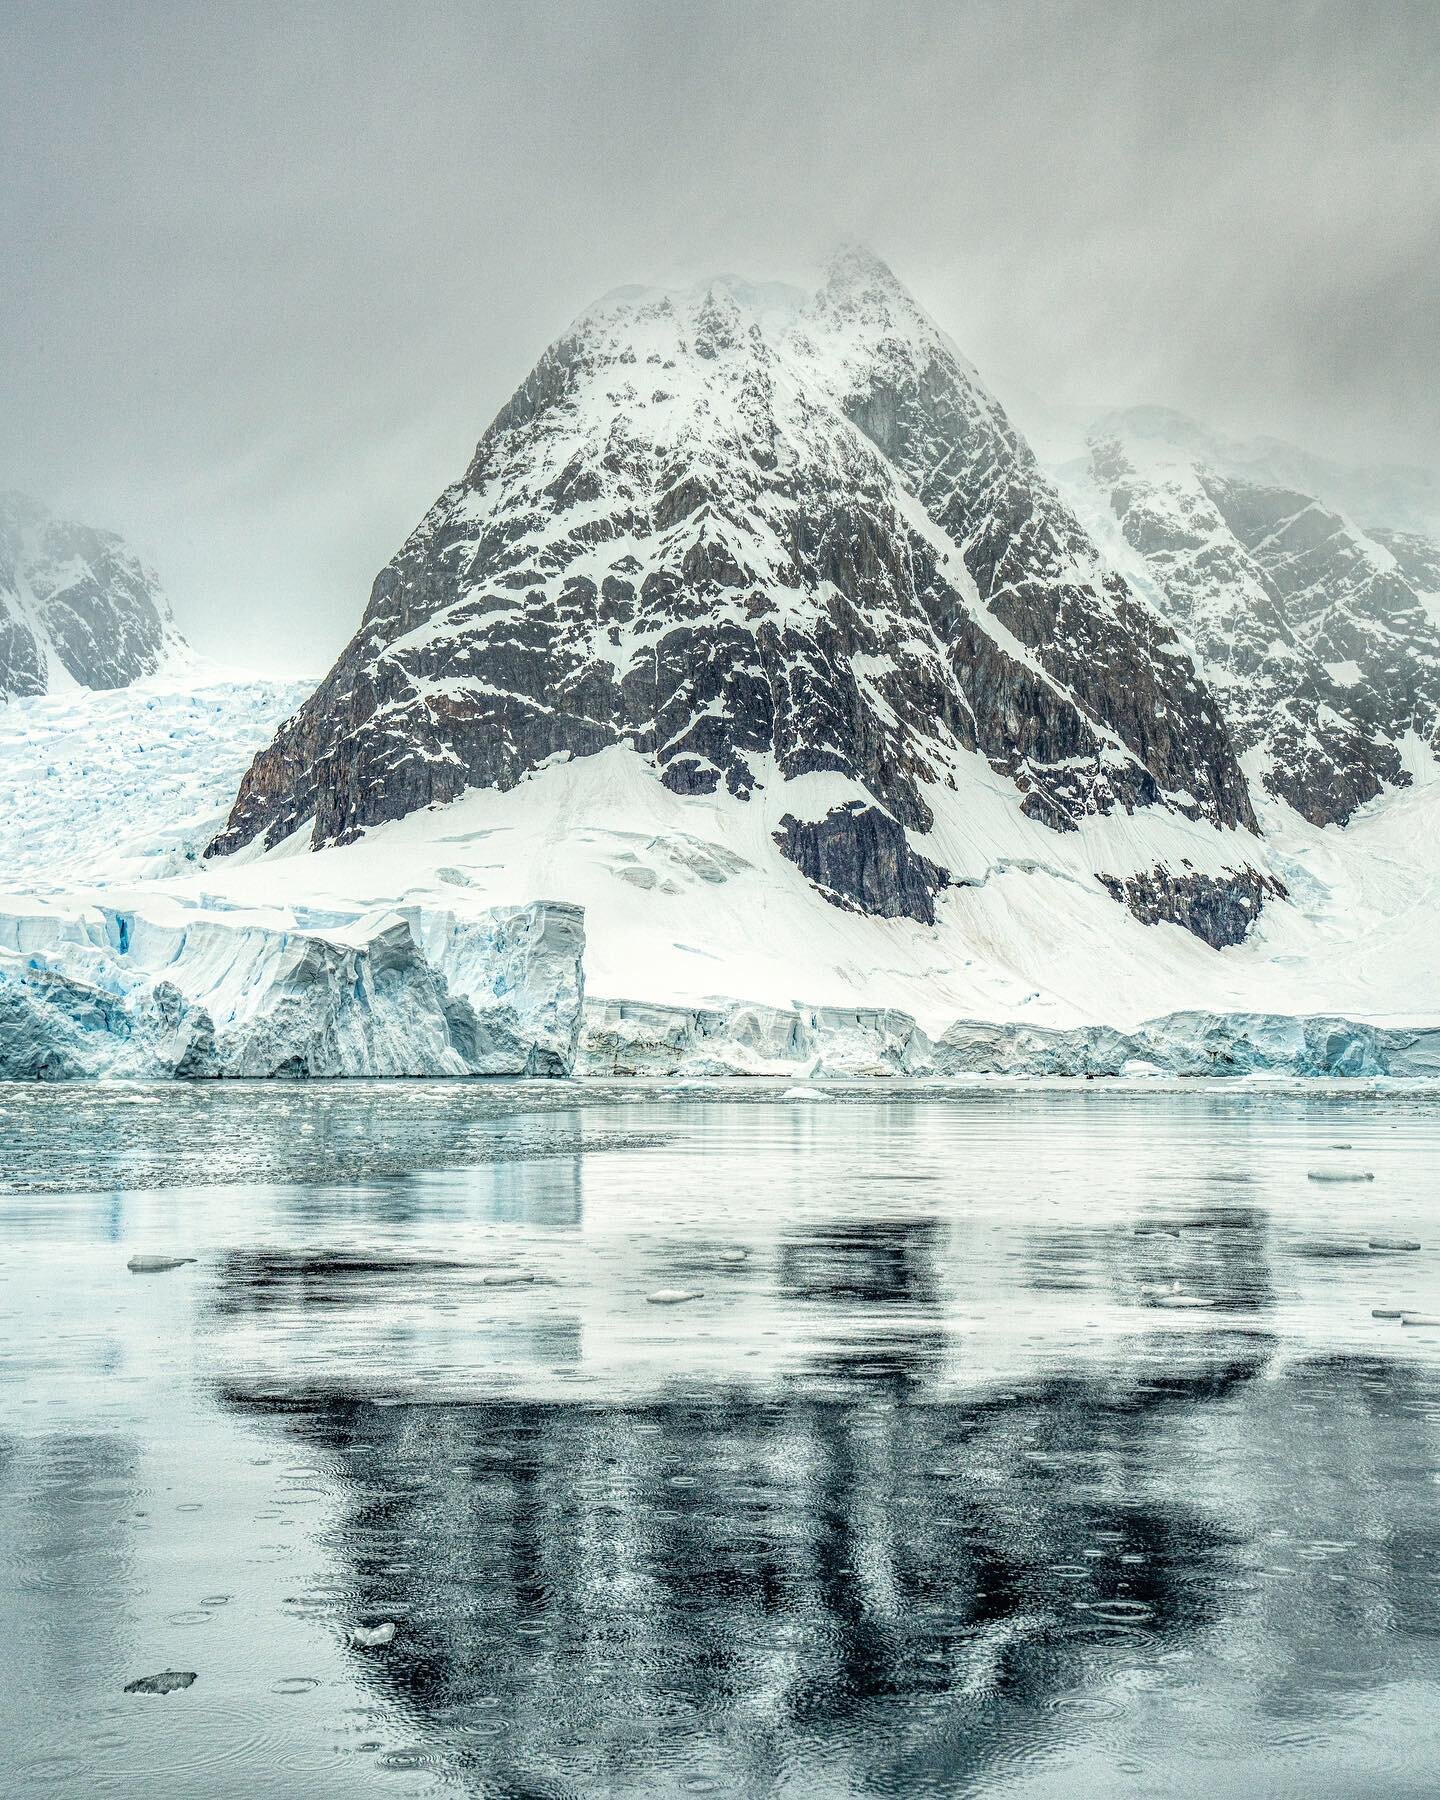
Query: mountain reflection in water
[(1068, 1460)]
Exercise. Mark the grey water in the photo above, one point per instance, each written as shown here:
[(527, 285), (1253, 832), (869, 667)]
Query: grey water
[(1022, 1441)]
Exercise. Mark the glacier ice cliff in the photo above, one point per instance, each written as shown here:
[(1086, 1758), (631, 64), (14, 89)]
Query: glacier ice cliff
[(632, 1037), (105, 992), (176, 991), (627, 1037), (1194, 1044)]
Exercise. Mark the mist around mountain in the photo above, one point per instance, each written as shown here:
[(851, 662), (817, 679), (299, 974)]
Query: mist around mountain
[(77, 606), (760, 692)]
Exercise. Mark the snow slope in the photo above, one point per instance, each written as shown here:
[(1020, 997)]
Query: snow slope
[(688, 900), (131, 781), (105, 799)]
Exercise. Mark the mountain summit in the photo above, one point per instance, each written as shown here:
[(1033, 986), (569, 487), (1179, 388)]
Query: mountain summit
[(77, 606), (790, 551)]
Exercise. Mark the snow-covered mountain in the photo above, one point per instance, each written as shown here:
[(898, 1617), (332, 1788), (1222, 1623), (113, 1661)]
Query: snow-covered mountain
[(787, 549), (1320, 637), (756, 703), (77, 606)]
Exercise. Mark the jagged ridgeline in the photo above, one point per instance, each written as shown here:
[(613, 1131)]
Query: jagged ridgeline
[(1319, 637), (76, 606), (758, 535)]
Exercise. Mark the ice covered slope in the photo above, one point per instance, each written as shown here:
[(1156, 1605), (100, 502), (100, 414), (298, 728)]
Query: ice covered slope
[(130, 783), (1320, 637), (77, 606), (690, 903), (787, 549), (706, 948), (177, 990)]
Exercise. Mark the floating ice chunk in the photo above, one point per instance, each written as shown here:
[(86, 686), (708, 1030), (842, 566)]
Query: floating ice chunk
[(1182, 1300), (1415, 1318), (373, 1637), (1394, 1243), (155, 1265), (506, 1278), (805, 1093), (1340, 1175), (674, 1296), (168, 1681)]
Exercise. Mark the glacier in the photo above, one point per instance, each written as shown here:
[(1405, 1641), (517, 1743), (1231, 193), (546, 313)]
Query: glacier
[(176, 992), (674, 938), (181, 992), (633, 1037), (836, 1043)]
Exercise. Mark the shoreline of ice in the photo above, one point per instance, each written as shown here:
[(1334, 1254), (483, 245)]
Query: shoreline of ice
[(185, 992)]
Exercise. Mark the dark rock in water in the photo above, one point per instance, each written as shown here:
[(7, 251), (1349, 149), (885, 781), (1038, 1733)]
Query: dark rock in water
[(168, 1681), (1220, 909), (1332, 1249), (757, 543)]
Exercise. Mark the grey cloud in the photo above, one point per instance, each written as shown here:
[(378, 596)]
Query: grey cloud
[(266, 270)]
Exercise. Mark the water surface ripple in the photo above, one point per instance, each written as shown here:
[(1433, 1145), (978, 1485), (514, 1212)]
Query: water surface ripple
[(527, 1439)]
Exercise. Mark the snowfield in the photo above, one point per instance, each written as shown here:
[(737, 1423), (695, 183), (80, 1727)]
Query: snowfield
[(688, 901), (129, 783), (702, 949)]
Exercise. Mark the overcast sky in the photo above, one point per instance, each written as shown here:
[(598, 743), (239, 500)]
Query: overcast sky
[(267, 270)]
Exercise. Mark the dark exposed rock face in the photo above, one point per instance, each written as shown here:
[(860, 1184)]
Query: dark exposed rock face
[(1314, 634), (858, 855), (1220, 909), (755, 537), (1417, 560), (76, 600)]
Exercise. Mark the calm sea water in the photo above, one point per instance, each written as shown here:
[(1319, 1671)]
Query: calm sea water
[(1021, 1442)]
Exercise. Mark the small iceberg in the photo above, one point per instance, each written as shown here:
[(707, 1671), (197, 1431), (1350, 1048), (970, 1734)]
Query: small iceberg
[(168, 1681)]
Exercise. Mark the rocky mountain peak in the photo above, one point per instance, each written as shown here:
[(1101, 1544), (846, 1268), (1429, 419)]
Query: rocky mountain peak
[(77, 606), (760, 539), (1319, 637)]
